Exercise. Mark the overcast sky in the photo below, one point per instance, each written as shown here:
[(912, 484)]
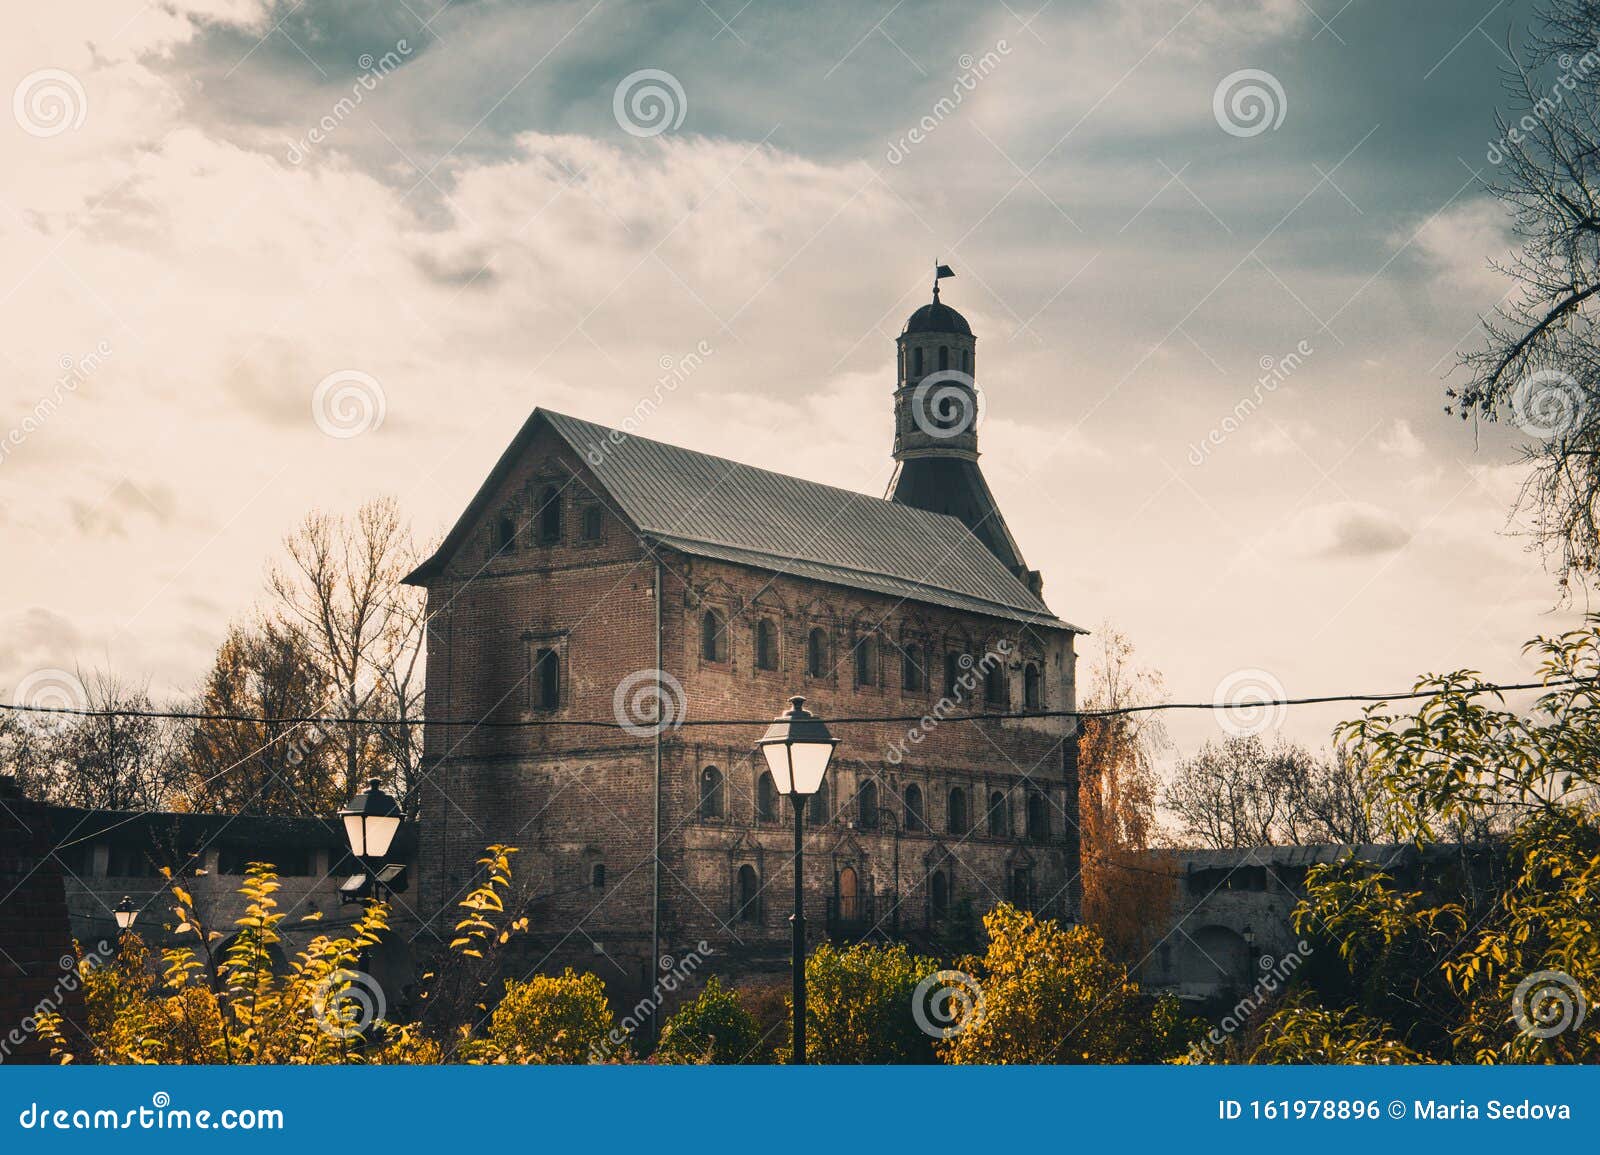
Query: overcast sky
[(191, 218)]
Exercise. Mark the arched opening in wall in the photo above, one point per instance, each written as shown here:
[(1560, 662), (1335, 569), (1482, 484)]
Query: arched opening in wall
[(597, 876), (749, 895), (914, 816), (506, 534), (867, 805), (1216, 958), (766, 645), (956, 820), (938, 896), (953, 669), (1038, 817), (999, 827), (966, 361), (550, 516), (916, 362), (766, 798), (912, 676), (711, 792), (944, 357), (817, 653), (547, 679), (866, 661), (1022, 887), (849, 895), (994, 684), (817, 812), (1031, 695), (713, 636)]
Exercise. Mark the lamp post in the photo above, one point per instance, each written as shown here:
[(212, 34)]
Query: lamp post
[(371, 820), (126, 914), (798, 748)]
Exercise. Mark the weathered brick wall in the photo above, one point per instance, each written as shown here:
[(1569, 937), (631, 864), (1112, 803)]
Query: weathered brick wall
[(35, 938), (574, 798)]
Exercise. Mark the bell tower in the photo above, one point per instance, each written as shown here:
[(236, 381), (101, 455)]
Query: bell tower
[(937, 410)]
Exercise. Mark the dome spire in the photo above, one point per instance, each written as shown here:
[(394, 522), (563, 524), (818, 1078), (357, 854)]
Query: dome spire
[(940, 271)]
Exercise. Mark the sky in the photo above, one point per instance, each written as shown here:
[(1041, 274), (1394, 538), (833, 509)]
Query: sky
[(262, 257)]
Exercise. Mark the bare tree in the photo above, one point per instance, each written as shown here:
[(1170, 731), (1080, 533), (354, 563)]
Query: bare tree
[(114, 760), (1540, 362), (341, 591)]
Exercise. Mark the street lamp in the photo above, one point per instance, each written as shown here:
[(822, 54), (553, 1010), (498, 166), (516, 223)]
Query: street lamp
[(126, 914), (798, 748), (371, 819)]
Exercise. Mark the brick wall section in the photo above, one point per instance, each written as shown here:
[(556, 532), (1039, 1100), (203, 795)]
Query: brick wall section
[(34, 933), (573, 798)]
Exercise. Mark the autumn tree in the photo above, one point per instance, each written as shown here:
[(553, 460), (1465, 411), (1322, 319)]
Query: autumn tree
[(1539, 361), (241, 757), (1126, 894), (340, 591), (118, 758)]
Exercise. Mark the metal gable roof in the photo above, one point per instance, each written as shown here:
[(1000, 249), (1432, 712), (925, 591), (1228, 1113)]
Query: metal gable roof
[(714, 507)]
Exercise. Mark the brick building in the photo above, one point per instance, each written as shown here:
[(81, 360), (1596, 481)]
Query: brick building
[(598, 575)]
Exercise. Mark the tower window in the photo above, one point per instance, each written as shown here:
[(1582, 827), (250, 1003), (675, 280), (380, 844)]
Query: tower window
[(550, 516), (916, 362), (911, 674), (713, 637), (547, 679), (866, 662), (711, 792), (593, 522), (956, 821), (999, 826), (966, 360), (766, 645), (1030, 687), (944, 356), (817, 653)]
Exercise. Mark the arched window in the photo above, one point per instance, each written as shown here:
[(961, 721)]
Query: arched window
[(594, 520), (966, 361), (506, 534), (866, 661), (952, 674), (994, 684), (547, 679), (766, 645), (597, 876), (550, 515), (766, 798), (914, 818), (938, 895), (999, 827), (711, 792), (956, 816), (912, 679), (749, 895), (916, 362), (944, 357), (1031, 696), (867, 805), (1038, 817), (817, 812), (713, 637), (817, 653), (849, 895)]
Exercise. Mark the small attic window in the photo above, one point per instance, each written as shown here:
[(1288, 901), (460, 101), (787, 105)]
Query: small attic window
[(593, 523), (505, 534)]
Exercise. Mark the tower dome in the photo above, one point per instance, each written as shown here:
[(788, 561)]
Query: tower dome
[(936, 318)]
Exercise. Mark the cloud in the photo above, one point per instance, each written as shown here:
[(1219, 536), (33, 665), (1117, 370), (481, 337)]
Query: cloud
[(1401, 442), (1346, 529)]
